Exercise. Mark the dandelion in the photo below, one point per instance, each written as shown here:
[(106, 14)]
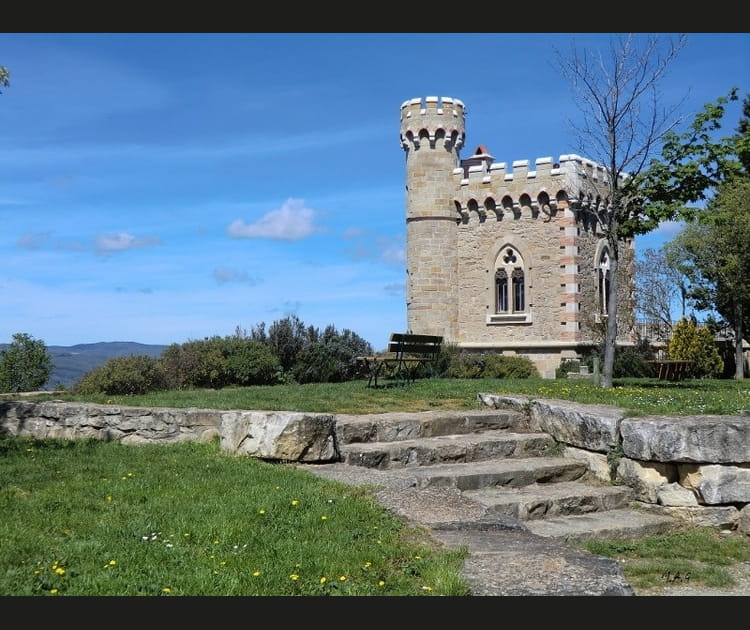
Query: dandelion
[(294, 577), (60, 571), (186, 535), (381, 583), (324, 518), (109, 497), (53, 591), (342, 578), (426, 588), (323, 580), (261, 511), (166, 590), (256, 573), (109, 564), (294, 502), (367, 565)]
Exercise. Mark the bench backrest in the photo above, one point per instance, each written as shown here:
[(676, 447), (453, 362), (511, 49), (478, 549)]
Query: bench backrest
[(427, 346)]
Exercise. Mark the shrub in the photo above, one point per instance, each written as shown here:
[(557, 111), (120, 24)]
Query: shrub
[(331, 359), (632, 362), (252, 363), (128, 375), (490, 365), (509, 366)]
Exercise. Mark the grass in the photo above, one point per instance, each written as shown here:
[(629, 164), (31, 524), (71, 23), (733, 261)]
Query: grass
[(106, 519), (636, 396), (96, 518), (694, 556)]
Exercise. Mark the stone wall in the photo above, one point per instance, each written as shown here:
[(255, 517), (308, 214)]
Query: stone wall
[(270, 435), (695, 468)]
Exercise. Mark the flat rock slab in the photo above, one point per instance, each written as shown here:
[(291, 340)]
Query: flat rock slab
[(517, 563)]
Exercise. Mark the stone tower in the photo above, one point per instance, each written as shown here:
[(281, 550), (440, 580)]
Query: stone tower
[(505, 260), (432, 134)]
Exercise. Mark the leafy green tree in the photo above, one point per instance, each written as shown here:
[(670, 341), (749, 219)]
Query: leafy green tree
[(712, 250), (694, 343), (623, 122), (25, 365)]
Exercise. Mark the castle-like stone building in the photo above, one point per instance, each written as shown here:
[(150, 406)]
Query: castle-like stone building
[(502, 259)]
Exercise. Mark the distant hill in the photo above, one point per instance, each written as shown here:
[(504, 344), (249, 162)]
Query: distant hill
[(72, 362)]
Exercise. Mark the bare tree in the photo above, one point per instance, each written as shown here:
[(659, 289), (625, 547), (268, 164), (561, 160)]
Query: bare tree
[(658, 287), (623, 123)]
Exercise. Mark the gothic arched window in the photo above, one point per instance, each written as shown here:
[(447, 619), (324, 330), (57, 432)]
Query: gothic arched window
[(510, 282)]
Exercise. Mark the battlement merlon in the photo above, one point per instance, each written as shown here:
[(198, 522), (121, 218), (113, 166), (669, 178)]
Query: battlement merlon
[(570, 167), (431, 115)]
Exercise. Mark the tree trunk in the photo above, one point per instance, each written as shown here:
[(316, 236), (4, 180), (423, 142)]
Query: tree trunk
[(610, 339), (739, 357)]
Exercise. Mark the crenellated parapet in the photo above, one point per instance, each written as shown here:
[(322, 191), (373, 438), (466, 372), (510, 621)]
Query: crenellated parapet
[(433, 119), (488, 188)]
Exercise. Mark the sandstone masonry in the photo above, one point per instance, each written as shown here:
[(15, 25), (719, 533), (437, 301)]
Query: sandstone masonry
[(505, 259)]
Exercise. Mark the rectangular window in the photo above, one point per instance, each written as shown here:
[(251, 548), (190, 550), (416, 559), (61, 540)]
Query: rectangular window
[(518, 291), (501, 283)]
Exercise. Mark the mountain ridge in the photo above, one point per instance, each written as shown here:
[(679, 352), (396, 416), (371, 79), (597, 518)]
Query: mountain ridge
[(72, 362)]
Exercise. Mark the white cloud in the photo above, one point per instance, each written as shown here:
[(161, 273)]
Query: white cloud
[(388, 249), (122, 241), (223, 275), (291, 222), (352, 232), (33, 240), (395, 288)]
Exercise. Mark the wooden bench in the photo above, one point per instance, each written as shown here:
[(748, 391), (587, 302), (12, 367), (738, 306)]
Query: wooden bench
[(406, 354), (671, 370)]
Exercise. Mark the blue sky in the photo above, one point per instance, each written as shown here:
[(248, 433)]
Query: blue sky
[(160, 188)]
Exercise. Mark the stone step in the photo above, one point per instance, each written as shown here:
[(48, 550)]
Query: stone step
[(454, 448), (509, 472), (545, 500), (611, 524), (393, 427)]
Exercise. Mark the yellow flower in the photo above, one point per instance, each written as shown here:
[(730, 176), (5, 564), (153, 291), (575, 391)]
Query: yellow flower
[(261, 511), (166, 589), (342, 578), (294, 502), (256, 573), (294, 577), (323, 580), (53, 591), (381, 583), (60, 571), (324, 518), (368, 564), (109, 497), (426, 588)]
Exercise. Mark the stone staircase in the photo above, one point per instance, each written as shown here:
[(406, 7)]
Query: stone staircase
[(478, 480), (504, 471)]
